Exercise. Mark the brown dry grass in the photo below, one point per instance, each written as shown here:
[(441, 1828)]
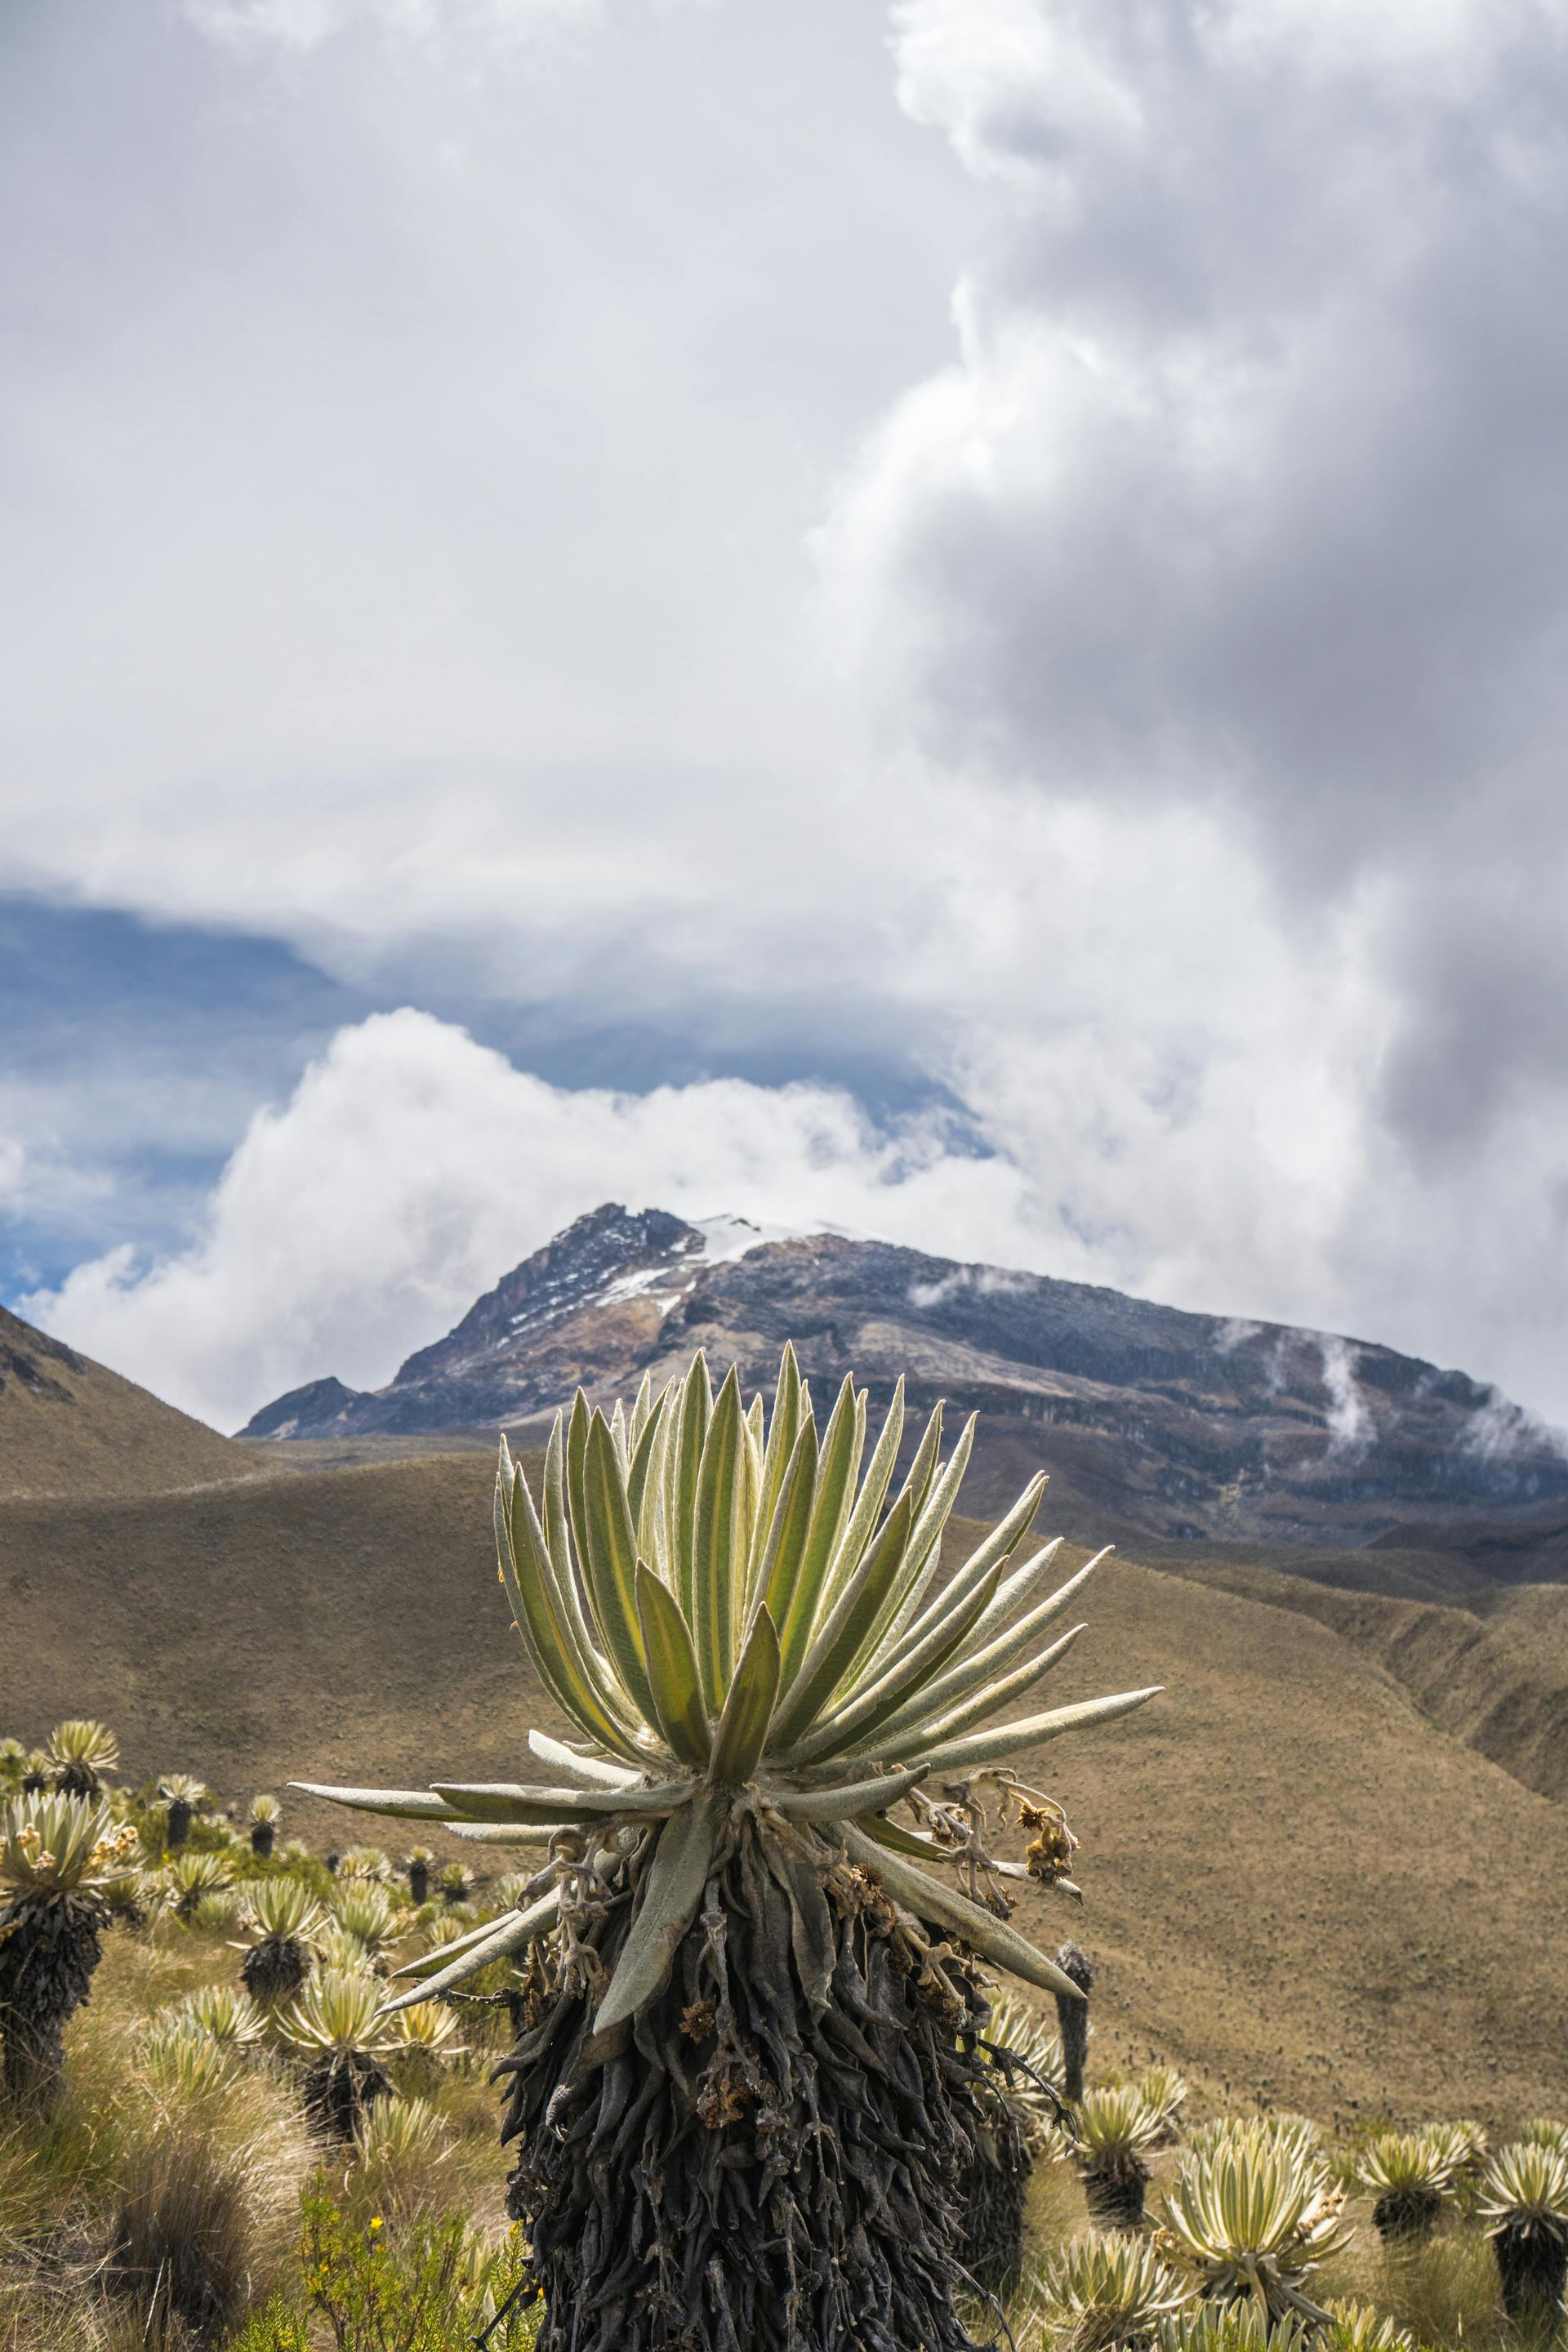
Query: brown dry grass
[(68, 1426), (1300, 1888)]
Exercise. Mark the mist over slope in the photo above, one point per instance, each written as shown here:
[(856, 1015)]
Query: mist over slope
[(1152, 1421)]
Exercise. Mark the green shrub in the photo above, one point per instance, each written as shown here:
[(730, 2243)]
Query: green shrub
[(430, 2291), (276, 2329)]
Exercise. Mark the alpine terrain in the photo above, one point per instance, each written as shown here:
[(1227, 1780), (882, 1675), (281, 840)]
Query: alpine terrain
[(1150, 1420)]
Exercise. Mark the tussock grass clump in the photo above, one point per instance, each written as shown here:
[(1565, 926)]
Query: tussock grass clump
[(403, 2148), (211, 2161)]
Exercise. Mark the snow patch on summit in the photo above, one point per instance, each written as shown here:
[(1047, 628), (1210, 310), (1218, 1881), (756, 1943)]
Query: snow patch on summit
[(722, 1240)]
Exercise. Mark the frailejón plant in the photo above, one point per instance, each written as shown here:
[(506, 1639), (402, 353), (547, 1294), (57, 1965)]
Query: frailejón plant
[(336, 2022), (184, 1795), (752, 1629), (1115, 2130), (1100, 2293), (80, 1752), (1523, 2207), (1251, 2215), (58, 1855), (266, 1812), (285, 1921), (1410, 2174)]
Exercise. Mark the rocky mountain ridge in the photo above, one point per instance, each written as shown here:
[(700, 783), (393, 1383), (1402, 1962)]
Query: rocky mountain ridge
[(1152, 1420)]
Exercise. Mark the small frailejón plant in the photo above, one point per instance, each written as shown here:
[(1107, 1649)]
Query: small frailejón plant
[(1250, 2217), (336, 2024), (746, 2086), (1523, 2209), (1099, 2293), (1115, 2130), (285, 1921), (57, 1854), (1410, 2174), (184, 1795), (80, 1752), (419, 1861), (266, 1812)]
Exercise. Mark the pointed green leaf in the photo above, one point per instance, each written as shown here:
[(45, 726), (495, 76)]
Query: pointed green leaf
[(670, 1898), (672, 1670), (1001, 1540), (867, 1509), (857, 1725), (597, 1770), (510, 1833), (946, 1907), (924, 1561), (841, 1635), (641, 1408), (644, 1456), (784, 1553), (696, 1406), (921, 1723), (508, 1800), (749, 1708), (567, 1584), (842, 1804), (829, 1509), (1032, 1731), (556, 1523), (402, 1804), (576, 1462), (976, 1666), (784, 1428), (566, 1660), (717, 1546), (612, 1560), (917, 1486), (423, 1962), (501, 1937)]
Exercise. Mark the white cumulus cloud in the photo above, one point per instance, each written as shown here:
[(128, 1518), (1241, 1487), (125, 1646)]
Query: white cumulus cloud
[(413, 1166)]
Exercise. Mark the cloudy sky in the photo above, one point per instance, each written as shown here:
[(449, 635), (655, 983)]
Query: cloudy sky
[(946, 618)]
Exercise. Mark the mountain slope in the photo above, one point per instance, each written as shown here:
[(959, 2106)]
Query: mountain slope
[(1299, 1887), (68, 1426), (1153, 1422), (1498, 1681)]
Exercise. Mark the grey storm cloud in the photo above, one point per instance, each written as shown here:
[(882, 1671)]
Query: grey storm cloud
[(1251, 486)]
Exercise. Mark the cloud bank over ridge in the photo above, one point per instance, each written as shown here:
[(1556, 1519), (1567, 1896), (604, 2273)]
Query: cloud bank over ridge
[(1156, 778)]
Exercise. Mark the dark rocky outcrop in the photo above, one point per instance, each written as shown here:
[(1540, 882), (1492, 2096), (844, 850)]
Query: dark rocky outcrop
[(1152, 1421)]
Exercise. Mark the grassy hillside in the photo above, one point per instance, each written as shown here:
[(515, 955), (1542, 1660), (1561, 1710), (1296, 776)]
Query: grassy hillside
[(1494, 1673), (68, 1426), (1300, 1887)]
